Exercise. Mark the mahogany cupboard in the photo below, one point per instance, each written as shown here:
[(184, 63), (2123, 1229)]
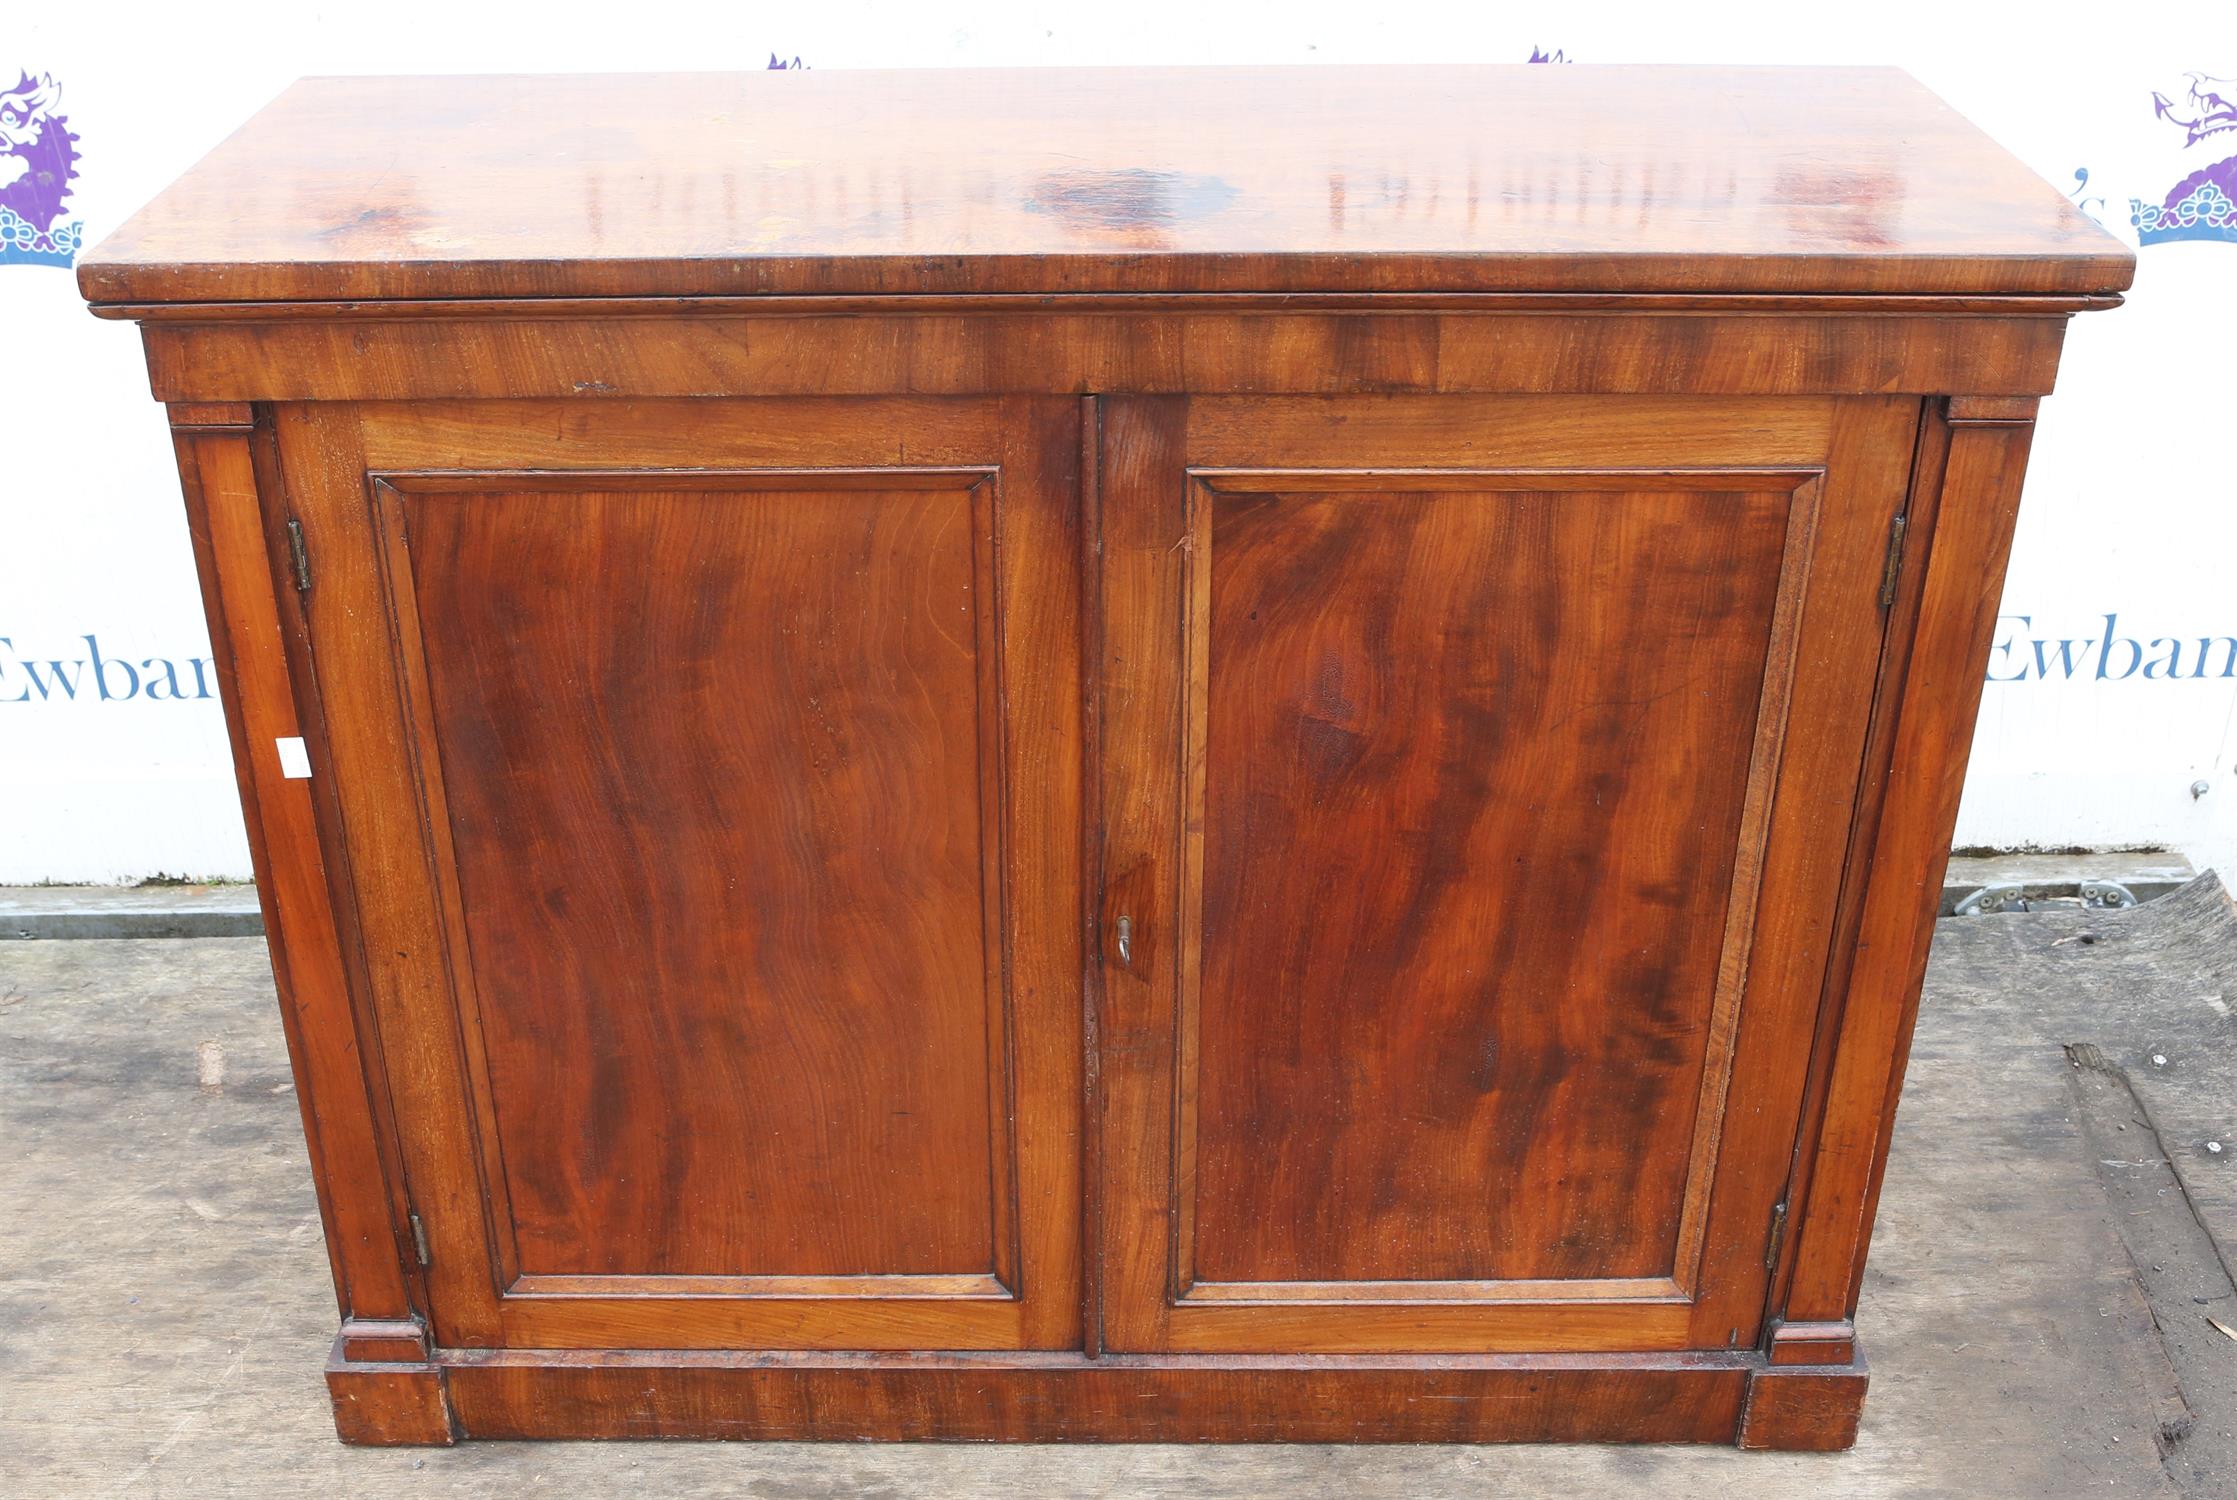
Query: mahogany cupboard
[(1171, 755)]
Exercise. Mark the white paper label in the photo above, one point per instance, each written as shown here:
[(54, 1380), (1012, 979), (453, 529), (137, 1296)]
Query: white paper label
[(295, 760)]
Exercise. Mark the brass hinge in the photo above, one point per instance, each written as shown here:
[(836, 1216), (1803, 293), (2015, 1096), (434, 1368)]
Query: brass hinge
[(1778, 1236), (1894, 566), (300, 554), (419, 1242)]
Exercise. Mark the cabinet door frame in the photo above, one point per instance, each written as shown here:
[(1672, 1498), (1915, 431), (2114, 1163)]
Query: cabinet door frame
[(346, 468), (1162, 461)]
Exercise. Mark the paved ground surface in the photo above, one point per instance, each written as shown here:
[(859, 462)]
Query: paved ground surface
[(2055, 1239), (150, 911)]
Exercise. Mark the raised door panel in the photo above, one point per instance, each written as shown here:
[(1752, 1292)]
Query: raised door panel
[(741, 934), (720, 807), (1443, 846), (1474, 771)]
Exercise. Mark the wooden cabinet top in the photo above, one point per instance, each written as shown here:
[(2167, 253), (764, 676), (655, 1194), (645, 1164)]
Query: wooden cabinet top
[(1783, 182)]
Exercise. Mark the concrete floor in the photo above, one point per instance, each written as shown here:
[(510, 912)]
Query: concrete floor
[(2054, 1241)]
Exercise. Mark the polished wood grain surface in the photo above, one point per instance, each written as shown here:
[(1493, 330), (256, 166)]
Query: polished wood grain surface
[(1981, 451), (739, 720), (1470, 822), (1223, 754), (729, 961), (1054, 1398), (223, 475), (1805, 1410), (1600, 179), (1364, 352), (1382, 1050)]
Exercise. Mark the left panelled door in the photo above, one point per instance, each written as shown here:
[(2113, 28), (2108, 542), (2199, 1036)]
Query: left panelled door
[(707, 778)]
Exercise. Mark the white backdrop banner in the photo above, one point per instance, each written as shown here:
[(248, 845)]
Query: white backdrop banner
[(2110, 715)]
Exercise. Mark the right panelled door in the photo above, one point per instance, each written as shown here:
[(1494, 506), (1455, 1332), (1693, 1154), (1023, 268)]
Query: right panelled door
[(1478, 775)]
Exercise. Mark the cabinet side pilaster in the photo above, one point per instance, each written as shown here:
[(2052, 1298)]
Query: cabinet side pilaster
[(334, 1076), (1935, 699)]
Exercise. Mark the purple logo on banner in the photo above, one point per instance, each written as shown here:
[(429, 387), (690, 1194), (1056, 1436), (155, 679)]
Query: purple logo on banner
[(2200, 207), (38, 158)]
